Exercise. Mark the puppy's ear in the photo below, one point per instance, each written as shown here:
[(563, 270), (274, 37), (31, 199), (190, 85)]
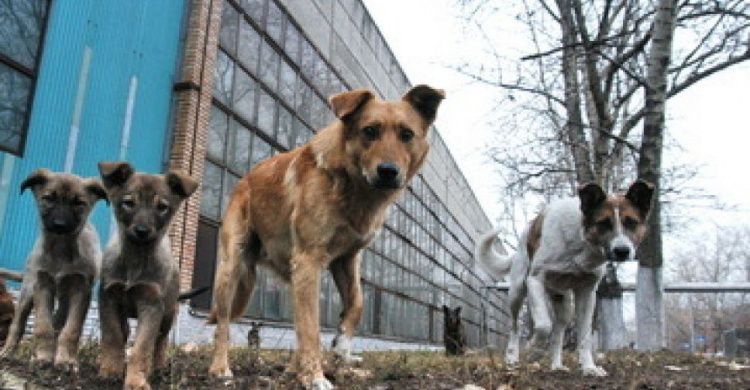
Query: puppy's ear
[(115, 174), (347, 103), (181, 184), (457, 311), (446, 310), (592, 196), (35, 179), (95, 188), (640, 194), (425, 100)]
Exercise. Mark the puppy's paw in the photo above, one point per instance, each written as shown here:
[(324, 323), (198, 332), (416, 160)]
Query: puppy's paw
[(593, 371), (69, 366), (110, 372), (511, 358), (320, 384)]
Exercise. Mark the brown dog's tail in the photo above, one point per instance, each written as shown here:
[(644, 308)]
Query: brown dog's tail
[(11, 275), (240, 298)]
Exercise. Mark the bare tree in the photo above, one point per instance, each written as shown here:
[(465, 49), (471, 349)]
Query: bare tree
[(595, 74)]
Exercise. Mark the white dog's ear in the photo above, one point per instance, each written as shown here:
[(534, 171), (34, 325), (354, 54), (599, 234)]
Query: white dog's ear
[(640, 194), (592, 196)]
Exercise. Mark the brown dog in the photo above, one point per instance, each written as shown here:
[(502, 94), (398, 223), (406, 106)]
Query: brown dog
[(318, 206), (139, 279), (62, 267)]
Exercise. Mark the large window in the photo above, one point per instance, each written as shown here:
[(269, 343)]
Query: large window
[(21, 30)]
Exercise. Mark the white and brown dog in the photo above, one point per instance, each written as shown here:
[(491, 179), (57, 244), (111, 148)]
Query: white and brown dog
[(560, 261)]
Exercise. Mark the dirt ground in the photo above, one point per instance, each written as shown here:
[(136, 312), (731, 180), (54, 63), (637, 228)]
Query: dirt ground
[(404, 370)]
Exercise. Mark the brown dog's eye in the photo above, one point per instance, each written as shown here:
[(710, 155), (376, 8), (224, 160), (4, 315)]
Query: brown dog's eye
[(127, 204), (371, 133), (79, 203), (406, 134)]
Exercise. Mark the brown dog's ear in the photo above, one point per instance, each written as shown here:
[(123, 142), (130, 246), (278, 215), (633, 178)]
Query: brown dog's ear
[(115, 174), (592, 195), (36, 178), (640, 194), (95, 187), (181, 184), (425, 100), (347, 103)]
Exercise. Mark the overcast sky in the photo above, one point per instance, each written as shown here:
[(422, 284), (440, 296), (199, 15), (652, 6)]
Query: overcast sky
[(710, 120)]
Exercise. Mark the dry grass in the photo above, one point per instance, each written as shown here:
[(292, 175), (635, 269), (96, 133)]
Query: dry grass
[(271, 369)]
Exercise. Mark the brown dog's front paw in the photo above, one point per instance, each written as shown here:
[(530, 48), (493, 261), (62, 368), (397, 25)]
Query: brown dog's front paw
[(220, 371), (137, 383)]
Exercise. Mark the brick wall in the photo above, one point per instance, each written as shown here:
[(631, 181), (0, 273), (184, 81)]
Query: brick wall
[(193, 109)]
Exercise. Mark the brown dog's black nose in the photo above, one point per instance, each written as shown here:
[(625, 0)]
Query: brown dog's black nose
[(388, 171)]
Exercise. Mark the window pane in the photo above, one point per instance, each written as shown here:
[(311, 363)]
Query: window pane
[(15, 91), (249, 46), (223, 74), (320, 76), (285, 135), (211, 191), (230, 181), (254, 8), (291, 45), (239, 149), (266, 113), (217, 135), (261, 151), (244, 96), (228, 33), (21, 29), (288, 80), (307, 62), (269, 65), (303, 100), (301, 133), (275, 22)]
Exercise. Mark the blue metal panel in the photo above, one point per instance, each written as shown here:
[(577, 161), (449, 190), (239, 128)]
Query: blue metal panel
[(132, 49)]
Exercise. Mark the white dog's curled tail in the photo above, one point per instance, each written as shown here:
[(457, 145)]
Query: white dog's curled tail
[(496, 264)]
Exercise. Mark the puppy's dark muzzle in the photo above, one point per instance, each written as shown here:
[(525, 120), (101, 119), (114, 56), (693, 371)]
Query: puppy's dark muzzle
[(141, 234), (388, 177), (59, 226)]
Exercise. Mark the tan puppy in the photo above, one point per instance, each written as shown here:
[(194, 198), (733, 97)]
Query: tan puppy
[(317, 207), (61, 268), (140, 279)]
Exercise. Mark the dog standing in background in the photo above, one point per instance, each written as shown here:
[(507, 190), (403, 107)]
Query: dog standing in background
[(560, 261), (317, 207), (62, 267), (140, 279), (454, 337)]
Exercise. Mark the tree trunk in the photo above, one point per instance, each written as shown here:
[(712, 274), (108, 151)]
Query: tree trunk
[(650, 289), (575, 133)]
